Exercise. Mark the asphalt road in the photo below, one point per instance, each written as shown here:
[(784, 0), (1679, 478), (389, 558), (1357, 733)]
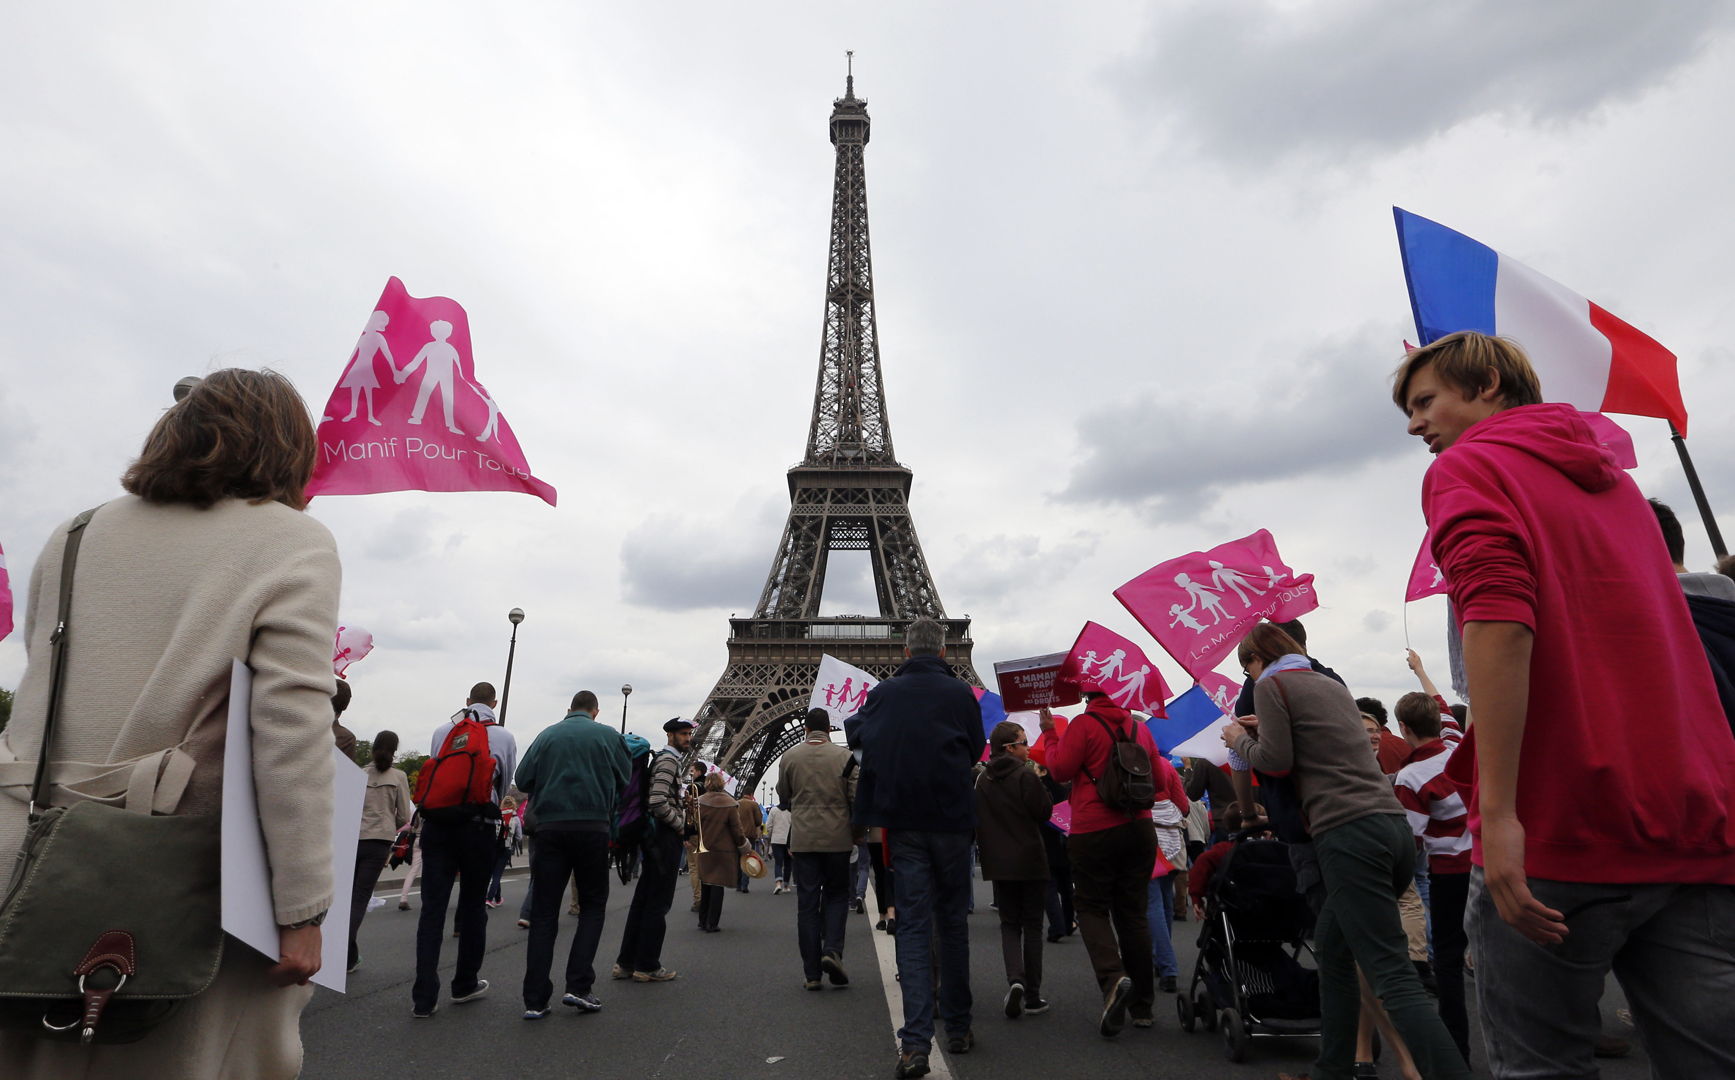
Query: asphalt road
[(739, 1010)]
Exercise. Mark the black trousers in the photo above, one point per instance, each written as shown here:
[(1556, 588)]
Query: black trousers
[(648, 915), (822, 896), (882, 877), (462, 852), (1111, 878), (710, 906), (1021, 905), (1060, 912), (557, 855), (370, 859), (1449, 895)]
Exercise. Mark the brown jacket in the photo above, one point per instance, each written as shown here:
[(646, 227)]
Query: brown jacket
[(1011, 805), (752, 821), (721, 840)]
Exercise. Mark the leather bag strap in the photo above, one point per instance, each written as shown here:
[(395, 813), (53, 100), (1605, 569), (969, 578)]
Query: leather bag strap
[(57, 653)]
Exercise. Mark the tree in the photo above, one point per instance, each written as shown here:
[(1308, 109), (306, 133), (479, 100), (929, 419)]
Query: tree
[(411, 764), (364, 752), (5, 708)]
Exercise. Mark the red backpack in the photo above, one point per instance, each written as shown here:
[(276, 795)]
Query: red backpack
[(461, 775)]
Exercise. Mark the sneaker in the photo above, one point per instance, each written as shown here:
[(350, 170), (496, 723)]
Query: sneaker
[(1167, 983), (832, 965), (776, 887), (420, 1014), (582, 1002), (1014, 1003), (1114, 1008), (1035, 1004), (618, 972), (536, 1014), (481, 988), (892, 927), (812, 984), (403, 905), (523, 924), (353, 965), (961, 1042), (911, 1065), (881, 925), (662, 974)]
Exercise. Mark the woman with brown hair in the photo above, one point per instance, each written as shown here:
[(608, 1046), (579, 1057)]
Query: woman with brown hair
[(1306, 726), (208, 558), (721, 843), (1011, 807)]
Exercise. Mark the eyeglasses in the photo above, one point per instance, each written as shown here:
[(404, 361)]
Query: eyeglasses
[(1020, 742)]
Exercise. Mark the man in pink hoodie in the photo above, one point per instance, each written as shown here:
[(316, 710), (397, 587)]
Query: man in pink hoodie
[(1599, 768)]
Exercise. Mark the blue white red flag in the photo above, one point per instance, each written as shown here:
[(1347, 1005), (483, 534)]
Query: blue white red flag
[(1192, 728), (1583, 355)]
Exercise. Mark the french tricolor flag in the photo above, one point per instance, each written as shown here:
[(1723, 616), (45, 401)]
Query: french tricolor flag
[(1583, 355)]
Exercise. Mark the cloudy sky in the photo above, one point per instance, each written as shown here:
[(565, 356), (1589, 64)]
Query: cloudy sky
[(1138, 286)]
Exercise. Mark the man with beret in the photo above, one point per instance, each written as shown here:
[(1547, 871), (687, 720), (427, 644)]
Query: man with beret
[(641, 950)]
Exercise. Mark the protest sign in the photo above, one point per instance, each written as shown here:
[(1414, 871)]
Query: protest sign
[(1033, 683), (841, 689), (5, 598), (429, 425), (1200, 605), (1103, 661)]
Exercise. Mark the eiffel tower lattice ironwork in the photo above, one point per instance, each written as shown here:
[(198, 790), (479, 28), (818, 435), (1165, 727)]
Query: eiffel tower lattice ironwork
[(848, 494)]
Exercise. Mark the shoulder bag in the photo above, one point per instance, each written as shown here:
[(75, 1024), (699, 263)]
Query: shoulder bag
[(112, 917)]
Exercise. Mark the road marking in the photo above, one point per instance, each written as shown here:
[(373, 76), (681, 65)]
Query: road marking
[(886, 952)]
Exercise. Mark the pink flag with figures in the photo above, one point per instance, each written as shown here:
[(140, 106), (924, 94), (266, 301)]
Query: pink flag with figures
[(409, 413), (840, 689), (1222, 690), (1103, 661), (5, 598), (1201, 605), (1426, 577), (351, 645)]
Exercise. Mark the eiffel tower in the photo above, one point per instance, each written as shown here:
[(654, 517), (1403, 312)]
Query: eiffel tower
[(848, 494)]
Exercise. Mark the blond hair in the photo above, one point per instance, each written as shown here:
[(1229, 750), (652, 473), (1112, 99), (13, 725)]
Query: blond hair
[(1470, 362)]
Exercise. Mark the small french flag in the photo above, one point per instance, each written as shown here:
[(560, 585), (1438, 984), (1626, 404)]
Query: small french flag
[(1583, 355)]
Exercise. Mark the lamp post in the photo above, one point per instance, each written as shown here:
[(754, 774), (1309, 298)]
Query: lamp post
[(626, 692), (515, 616)]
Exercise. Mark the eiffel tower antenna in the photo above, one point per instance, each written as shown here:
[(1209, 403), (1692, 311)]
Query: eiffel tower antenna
[(850, 493)]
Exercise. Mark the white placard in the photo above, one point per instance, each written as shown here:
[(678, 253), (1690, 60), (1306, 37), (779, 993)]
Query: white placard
[(248, 914)]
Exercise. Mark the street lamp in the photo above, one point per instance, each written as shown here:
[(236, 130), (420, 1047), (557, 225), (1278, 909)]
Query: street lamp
[(626, 692), (515, 616)]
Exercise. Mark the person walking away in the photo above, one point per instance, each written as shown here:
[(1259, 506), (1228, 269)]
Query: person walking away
[(1589, 685), (415, 870), (511, 839), (1168, 816), (458, 845), (206, 559), (1011, 809), (1307, 727), (577, 771), (1113, 849), (880, 866), (384, 810), (920, 735), (753, 827), (816, 779), (722, 842), (777, 825), (690, 792), (641, 948)]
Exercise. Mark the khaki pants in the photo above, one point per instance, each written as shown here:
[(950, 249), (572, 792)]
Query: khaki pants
[(1415, 923)]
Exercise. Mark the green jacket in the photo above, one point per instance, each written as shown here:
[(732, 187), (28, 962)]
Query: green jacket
[(576, 770)]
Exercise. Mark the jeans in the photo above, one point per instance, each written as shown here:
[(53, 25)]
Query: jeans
[(1365, 864), (559, 854), (1671, 946), (1021, 905), (822, 896), (370, 859), (1111, 876), (1451, 892), (461, 851), (1424, 889), (1060, 913), (1160, 913), (931, 879), (647, 917), (500, 861), (859, 866), (780, 862)]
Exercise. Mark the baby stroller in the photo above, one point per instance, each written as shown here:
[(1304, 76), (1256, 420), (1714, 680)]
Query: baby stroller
[(1249, 981)]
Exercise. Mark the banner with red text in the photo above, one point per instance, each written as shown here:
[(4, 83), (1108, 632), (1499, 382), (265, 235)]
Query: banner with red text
[(1033, 683), (428, 424), (1199, 606)]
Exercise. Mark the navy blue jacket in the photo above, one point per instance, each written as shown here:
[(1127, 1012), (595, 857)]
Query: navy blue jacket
[(1715, 620), (920, 735)]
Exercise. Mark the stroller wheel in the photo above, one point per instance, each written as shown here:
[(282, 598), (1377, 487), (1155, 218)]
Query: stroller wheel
[(1235, 1037), (1205, 1009), (1184, 1006)]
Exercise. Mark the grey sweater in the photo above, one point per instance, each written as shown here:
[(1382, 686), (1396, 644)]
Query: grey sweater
[(1311, 730)]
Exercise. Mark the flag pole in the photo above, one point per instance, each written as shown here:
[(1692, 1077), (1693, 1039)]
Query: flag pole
[(1716, 534)]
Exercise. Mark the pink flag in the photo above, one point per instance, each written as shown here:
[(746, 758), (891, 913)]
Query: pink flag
[(429, 424), (1103, 661), (1613, 438), (1223, 691), (1202, 604), (5, 598), (1426, 577), (352, 644)]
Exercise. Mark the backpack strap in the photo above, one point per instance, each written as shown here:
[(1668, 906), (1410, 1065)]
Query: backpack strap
[(1115, 737), (57, 658)]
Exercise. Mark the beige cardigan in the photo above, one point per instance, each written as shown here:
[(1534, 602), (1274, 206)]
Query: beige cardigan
[(164, 598)]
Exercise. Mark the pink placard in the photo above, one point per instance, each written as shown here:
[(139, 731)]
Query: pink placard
[(1034, 683), (5, 598), (1200, 605), (409, 413)]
